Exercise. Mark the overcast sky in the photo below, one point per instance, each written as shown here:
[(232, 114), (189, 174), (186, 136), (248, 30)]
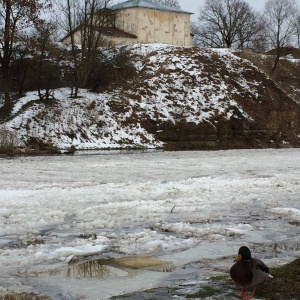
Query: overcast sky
[(193, 5)]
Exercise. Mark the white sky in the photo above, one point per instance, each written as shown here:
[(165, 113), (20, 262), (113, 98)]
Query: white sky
[(193, 5)]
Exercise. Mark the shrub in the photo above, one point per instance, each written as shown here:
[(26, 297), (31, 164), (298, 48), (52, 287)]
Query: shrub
[(8, 141), (36, 146), (117, 68)]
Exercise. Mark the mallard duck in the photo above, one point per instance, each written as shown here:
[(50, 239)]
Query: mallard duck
[(248, 272)]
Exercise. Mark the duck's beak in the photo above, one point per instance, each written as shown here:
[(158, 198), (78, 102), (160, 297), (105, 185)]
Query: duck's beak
[(238, 257)]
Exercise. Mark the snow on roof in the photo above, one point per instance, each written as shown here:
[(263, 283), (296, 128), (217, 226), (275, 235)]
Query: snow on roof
[(146, 4)]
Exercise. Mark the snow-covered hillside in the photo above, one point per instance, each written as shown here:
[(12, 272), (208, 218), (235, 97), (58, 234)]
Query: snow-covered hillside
[(175, 85)]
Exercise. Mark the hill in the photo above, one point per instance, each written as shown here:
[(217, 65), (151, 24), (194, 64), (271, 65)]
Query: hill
[(286, 76), (182, 98), (286, 51)]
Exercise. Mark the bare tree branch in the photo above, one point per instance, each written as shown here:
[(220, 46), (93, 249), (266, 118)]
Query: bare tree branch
[(281, 19), (15, 17), (227, 23), (83, 21)]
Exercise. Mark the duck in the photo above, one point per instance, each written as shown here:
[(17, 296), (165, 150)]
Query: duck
[(248, 272)]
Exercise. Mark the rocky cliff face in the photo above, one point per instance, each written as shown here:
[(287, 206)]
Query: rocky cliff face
[(182, 98)]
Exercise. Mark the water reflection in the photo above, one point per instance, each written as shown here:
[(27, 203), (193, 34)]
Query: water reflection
[(117, 267), (107, 268), (147, 263), (95, 269)]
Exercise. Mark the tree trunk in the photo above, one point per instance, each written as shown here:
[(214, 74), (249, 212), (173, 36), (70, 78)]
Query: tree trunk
[(21, 83), (6, 109), (276, 61)]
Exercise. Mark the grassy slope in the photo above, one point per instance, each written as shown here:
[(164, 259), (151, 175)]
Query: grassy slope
[(285, 284)]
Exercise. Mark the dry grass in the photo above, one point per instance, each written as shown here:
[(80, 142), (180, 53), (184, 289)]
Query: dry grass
[(287, 75), (285, 284), (295, 52)]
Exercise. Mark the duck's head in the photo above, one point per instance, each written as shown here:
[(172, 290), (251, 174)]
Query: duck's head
[(243, 254)]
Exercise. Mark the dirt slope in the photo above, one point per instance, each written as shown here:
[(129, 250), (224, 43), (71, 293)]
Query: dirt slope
[(181, 98)]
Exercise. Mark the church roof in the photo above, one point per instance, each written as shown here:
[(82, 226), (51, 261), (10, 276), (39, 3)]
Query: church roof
[(146, 4)]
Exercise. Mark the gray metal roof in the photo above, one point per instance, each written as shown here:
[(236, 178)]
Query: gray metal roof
[(146, 4)]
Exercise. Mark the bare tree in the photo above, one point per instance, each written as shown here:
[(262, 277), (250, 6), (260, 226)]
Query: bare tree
[(280, 18), (46, 60), (250, 28), (298, 31), (15, 16), (227, 23), (170, 3), (21, 64), (83, 21), (259, 42)]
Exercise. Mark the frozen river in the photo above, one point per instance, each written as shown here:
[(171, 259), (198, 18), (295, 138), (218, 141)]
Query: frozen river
[(185, 208)]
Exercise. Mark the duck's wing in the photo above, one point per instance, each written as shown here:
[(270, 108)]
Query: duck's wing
[(242, 273), (259, 264)]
